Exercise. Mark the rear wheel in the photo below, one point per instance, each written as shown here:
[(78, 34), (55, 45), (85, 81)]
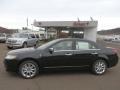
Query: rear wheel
[(99, 67), (28, 69)]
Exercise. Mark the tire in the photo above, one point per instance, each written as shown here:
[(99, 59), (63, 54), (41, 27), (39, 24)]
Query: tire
[(9, 47), (99, 67), (28, 69), (24, 45), (37, 43)]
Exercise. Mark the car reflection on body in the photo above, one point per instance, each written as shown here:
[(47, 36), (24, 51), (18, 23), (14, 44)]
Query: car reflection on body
[(65, 52)]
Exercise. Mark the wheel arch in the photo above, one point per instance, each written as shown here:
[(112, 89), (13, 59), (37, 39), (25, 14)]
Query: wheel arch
[(24, 42), (105, 59), (27, 59)]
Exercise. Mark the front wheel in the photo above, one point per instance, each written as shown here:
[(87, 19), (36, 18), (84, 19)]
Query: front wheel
[(99, 67), (9, 47), (28, 69), (24, 45)]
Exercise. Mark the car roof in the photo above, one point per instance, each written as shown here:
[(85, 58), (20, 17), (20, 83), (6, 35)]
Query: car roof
[(74, 39)]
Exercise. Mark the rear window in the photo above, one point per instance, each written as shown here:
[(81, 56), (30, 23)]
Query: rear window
[(32, 35)]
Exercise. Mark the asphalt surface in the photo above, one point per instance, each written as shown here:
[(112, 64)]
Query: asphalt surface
[(61, 79)]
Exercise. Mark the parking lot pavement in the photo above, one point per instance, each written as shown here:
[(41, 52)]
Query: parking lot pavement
[(61, 80)]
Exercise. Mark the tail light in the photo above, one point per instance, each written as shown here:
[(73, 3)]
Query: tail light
[(113, 49)]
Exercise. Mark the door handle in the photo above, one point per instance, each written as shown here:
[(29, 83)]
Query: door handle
[(94, 53), (68, 54)]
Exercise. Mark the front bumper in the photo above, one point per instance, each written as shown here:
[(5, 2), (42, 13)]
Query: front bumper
[(13, 45), (11, 65), (2, 40)]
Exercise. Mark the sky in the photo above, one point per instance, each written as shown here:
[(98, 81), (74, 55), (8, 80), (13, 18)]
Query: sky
[(13, 13)]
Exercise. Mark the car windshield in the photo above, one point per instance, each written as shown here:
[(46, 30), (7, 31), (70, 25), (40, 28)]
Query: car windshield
[(2, 35), (20, 36)]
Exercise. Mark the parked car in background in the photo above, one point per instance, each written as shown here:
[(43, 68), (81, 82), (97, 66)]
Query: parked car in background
[(61, 53), (3, 37), (21, 40), (35, 35)]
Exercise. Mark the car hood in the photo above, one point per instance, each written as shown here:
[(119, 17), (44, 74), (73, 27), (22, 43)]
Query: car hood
[(2, 37), (26, 53), (17, 39), (23, 50)]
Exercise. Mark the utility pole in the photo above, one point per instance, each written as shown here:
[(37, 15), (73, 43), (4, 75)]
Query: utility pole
[(27, 22)]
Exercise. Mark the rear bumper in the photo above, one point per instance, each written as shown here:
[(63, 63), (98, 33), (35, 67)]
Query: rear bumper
[(113, 60)]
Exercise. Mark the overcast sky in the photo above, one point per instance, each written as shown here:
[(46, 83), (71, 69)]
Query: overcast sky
[(13, 13)]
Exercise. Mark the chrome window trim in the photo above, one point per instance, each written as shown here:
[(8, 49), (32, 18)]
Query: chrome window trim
[(62, 50), (75, 50)]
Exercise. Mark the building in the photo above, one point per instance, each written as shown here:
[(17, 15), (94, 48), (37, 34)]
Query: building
[(110, 34), (61, 29), (8, 31)]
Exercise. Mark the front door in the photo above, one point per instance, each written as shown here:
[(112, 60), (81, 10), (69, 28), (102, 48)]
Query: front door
[(60, 56)]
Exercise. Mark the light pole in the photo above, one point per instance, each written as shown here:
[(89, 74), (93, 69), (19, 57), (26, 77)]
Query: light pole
[(32, 26)]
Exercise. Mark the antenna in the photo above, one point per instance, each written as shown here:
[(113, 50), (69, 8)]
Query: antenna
[(91, 19)]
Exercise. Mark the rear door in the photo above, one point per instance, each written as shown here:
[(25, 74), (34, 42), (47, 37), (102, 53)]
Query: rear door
[(85, 53)]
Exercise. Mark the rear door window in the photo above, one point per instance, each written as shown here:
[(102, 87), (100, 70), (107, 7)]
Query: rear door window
[(81, 45), (32, 35)]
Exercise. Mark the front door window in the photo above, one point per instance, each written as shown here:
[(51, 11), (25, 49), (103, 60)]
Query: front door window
[(64, 45)]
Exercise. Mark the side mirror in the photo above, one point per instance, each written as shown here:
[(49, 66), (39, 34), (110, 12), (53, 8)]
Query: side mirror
[(51, 50)]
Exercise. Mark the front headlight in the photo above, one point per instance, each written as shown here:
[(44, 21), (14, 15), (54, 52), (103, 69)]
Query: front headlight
[(10, 57), (19, 41)]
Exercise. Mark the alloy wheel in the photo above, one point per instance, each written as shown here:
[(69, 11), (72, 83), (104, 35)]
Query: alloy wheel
[(28, 69), (99, 67)]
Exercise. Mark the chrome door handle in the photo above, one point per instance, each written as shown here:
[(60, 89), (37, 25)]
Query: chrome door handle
[(94, 53), (68, 54)]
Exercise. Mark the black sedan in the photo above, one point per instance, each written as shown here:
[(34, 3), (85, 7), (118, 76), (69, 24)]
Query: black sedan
[(67, 52)]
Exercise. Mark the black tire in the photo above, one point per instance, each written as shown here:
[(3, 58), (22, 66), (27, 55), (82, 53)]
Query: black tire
[(24, 45), (37, 43), (9, 47), (99, 67), (28, 69)]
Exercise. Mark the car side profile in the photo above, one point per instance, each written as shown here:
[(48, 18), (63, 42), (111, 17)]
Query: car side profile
[(3, 37), (64, 52), (21, 40)]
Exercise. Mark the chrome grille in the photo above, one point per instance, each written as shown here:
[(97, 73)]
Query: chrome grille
[(12, 41)]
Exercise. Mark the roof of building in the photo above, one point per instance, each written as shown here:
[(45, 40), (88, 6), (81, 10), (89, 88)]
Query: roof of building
[(65, 23)]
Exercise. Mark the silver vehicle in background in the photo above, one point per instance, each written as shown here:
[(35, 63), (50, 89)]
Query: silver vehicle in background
[(21, 40), (3, 37)]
